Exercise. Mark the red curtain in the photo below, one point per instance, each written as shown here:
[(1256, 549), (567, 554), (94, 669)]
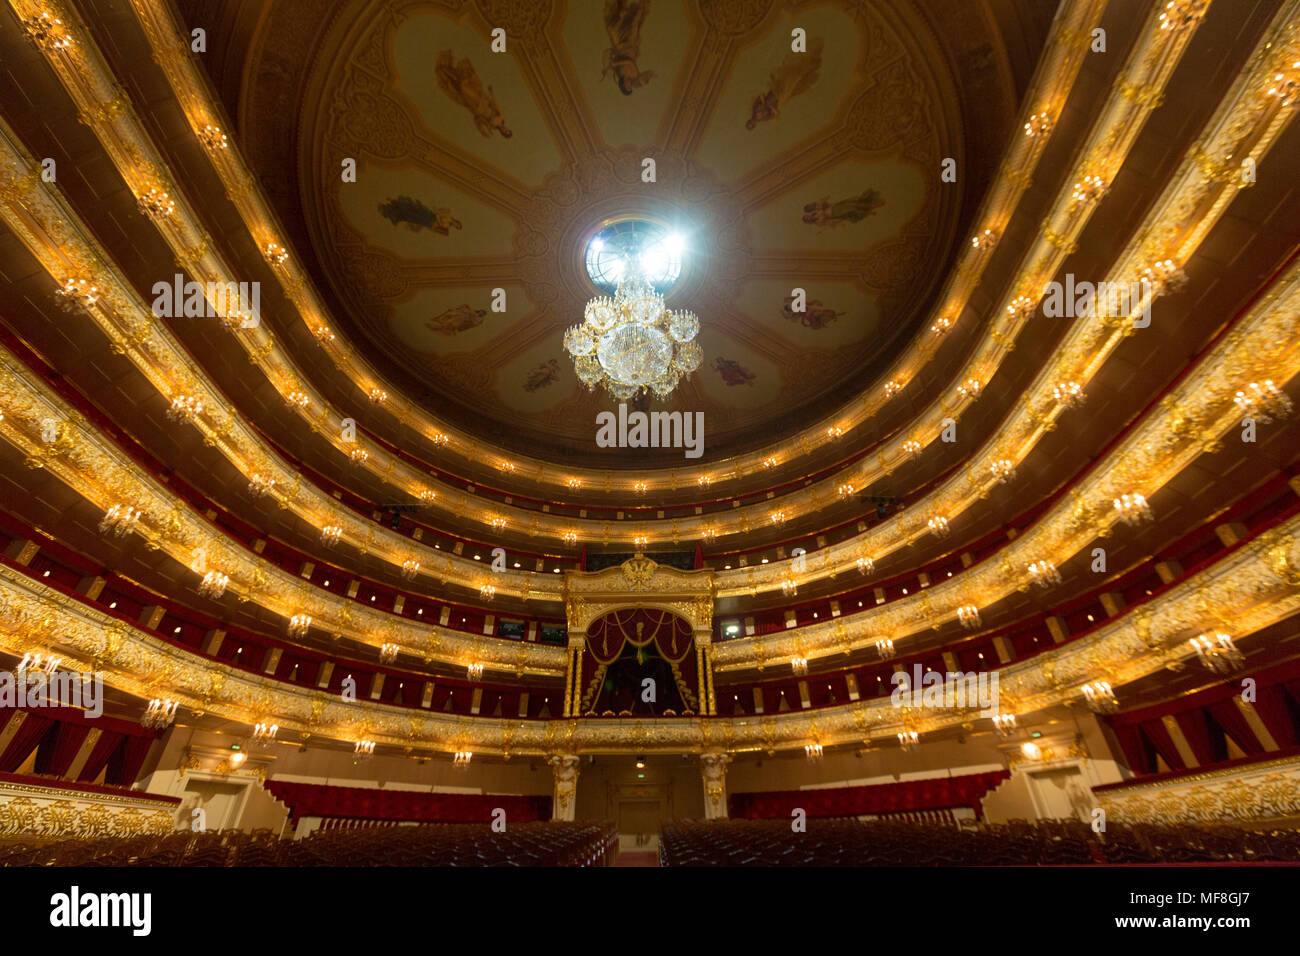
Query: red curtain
[(312, 800), (1155, 731), (1235, 726), (25, 741), (127, 760), (59, 748), (108, 742), (939, 793), (1271, 705), (1196, 730)]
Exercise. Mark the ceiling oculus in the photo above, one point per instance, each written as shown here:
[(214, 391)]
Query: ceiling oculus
[(633, 343)]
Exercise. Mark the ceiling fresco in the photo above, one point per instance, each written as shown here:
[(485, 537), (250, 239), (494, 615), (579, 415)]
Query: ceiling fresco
[(480, 171)]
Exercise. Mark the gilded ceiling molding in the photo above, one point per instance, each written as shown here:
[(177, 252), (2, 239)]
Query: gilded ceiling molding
[(1189, 422), (95, 468), (834, 561), (251, 458), (1153, 60), (1150, 58), (1245, 592), (1055, 77)]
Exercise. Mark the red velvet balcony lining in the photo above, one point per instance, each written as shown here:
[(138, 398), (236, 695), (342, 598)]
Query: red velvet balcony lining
[(194, 625), (314, 800), (56, 734), (939, 793), (1018, 633), (1272, 496), (1208, 719)]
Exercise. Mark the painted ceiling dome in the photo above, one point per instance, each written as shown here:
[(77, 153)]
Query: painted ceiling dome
[(791, 153)]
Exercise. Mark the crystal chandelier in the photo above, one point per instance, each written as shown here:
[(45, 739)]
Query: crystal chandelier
[(410, 568), (1004, 724), (184, 408), (799, 665), (212, 137), (1132, 509), (119, 520), (633, 343), (938, 526), (1044, 574), (789, 587), (265, 733), (907, 739), (36, 662), (330, 534), (388, 652), (214, 584), (885, 648), (1218, 653), (813, 751), (462, 758), (76, 294), (299, 625), (866, 565), (1002, 470), (260, 484), (364, 748), (969, 616), (1264, 400), (47, 32), (159, 714), (1100, 697), (474, 671)]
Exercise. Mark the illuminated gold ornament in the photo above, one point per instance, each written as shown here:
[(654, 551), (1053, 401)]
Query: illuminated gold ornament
[(1040, 124), (47, 32), (212, 137), (1100, 697)]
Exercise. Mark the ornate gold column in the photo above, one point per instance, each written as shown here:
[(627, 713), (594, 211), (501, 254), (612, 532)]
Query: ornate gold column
[(573, 677), (713, 768), (566, 768)]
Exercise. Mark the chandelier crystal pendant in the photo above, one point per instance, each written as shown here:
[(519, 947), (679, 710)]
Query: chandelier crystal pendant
[(633, 343)]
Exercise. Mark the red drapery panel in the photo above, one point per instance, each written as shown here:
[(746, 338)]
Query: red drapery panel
[(108, 741), (24, 741), (1155, 731), (1235, 726), (1196, 731), (312, 800), (126, 761), (1273, 710), (940, 793), (59, 748), (1134, 747)]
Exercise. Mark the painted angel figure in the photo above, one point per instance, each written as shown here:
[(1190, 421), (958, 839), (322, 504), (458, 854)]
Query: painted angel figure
[(855, 209), (415, 215), (797, 72), (542, 375), (460, 81), (458, 319), (623, 20)]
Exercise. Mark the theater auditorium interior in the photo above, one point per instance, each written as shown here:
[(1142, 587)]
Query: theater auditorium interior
[(649, 433)]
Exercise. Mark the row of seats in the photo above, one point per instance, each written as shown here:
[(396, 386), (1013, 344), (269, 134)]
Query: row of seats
[(476, 844), (850, 842)]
